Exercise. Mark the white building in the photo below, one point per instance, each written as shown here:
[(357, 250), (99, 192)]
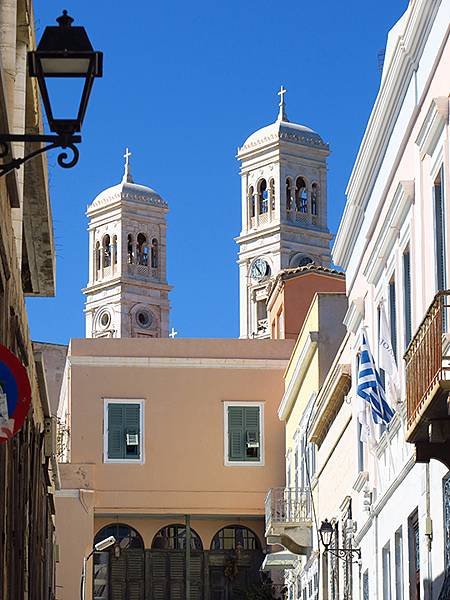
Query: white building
[(393, 242), (284, 211)]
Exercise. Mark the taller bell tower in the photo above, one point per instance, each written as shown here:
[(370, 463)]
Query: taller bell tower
[(127, 294), (284, 211)]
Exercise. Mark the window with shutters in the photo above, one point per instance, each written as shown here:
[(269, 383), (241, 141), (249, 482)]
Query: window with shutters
[(439, 233), (123, 431), (243, 433)]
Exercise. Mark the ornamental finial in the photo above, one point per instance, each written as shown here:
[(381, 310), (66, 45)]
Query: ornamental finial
[(282, 116), (127, 174)]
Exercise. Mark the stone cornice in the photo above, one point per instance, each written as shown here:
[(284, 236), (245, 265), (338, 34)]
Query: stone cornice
[(384, 115), (398, 208), (436, 119), (178, 362), (305, 139), (298, 375), (119, 196)]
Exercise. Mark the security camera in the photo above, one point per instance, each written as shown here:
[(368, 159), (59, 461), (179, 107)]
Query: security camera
[(106, 543)]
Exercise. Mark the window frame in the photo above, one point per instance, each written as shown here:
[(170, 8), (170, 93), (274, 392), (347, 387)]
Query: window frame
[(133, 461), (243, 463)]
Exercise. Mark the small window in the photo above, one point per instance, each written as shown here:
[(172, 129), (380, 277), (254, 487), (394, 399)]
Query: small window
[(114, 249), (243, 439), (301, 195), (97, 256), (123, 431), (386, 560), (272, 193), (251, 201), (288, 194), (235, 537)]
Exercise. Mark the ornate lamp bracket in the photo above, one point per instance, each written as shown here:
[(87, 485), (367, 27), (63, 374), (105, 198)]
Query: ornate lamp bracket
[(63, 141)]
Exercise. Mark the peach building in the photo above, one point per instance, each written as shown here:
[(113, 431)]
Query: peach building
[(168, 440)]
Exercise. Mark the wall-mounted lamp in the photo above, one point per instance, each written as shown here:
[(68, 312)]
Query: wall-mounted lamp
[(99, 547), (326, 532), (64, 52)]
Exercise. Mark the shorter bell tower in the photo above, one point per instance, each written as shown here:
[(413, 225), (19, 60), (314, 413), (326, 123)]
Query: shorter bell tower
[(127, 294)]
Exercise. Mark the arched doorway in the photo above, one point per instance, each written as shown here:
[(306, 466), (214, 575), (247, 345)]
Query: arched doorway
[(119, 571), (168, 564), (235, 559)]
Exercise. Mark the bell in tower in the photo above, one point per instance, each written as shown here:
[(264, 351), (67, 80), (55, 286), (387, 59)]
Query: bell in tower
[(127, 294), (284, 211)]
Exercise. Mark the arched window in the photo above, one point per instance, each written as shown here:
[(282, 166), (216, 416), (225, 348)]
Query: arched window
[(114, 249), (126, 538), (263, 197), (302, 261), (251, 201), (301, 195), (173, 537), (272, 193), (130, 252), (314, 199), (106, 251), (154, 258), (142, 250), (233, 537), (97, 256), (288, 194)]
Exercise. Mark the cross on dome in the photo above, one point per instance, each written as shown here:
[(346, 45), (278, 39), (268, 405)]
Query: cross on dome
[(173, 333), (127, 174), (282, 116)]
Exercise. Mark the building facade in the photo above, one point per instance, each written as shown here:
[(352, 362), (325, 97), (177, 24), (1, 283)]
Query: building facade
[(284, 212), (171, 446), (28, 471)]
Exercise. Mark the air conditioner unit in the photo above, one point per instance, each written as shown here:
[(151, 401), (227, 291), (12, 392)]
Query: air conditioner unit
[(132, 439), (252, 439)]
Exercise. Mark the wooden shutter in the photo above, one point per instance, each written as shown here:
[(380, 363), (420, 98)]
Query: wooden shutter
[(251, 425), (116, 436), (393, 316), (236, 447), (132, 425)]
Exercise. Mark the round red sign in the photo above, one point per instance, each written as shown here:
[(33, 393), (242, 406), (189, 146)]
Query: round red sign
[(15, 394)]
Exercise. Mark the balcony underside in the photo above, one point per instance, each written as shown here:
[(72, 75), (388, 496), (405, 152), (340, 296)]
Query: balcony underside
[(430, 429)]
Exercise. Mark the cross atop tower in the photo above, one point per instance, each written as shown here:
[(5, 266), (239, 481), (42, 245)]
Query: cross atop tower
[(127, 174), (282, 116)]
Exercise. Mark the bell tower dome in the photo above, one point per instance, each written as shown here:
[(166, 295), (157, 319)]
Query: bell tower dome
[(127, 294), (284, 211)]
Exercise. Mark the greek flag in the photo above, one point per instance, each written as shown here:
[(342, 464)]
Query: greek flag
[(370, 388)]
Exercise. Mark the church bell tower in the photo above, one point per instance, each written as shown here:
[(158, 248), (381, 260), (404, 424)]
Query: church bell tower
[(127, 294), (284, 211)]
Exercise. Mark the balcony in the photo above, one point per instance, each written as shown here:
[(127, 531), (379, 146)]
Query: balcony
[(428, 383), (288, 519)]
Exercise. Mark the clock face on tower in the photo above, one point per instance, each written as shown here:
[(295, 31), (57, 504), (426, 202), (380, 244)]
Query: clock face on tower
[(260, 269)]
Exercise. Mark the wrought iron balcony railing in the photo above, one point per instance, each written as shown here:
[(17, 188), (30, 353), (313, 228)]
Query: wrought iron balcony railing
[(287, 506), (427, 361)]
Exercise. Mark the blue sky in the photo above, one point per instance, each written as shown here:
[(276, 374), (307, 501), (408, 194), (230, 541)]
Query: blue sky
[(184, 84)]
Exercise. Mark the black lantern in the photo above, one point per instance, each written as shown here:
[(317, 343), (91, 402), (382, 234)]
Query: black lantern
[(326, 533), (64, 52)]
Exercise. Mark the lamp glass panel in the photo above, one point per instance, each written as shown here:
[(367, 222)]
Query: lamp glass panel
[(65, 66), (65, 96)]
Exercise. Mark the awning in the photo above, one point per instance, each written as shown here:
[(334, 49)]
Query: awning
[(279, 560)]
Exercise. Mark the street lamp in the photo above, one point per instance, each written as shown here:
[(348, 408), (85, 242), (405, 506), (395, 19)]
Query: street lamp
[(326, 532), (99, 547), (64, 52)]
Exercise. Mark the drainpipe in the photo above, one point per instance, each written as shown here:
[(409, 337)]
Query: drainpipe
[(188, 556), (428, 586)]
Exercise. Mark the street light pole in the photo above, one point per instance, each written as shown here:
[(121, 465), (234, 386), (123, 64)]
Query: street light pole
[(99, 547)]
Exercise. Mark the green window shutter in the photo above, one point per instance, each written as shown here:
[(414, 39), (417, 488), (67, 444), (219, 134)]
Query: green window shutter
[(244, 436), (252, 433), (132, 425), (236, 448), (116, 441), (123, 419)]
